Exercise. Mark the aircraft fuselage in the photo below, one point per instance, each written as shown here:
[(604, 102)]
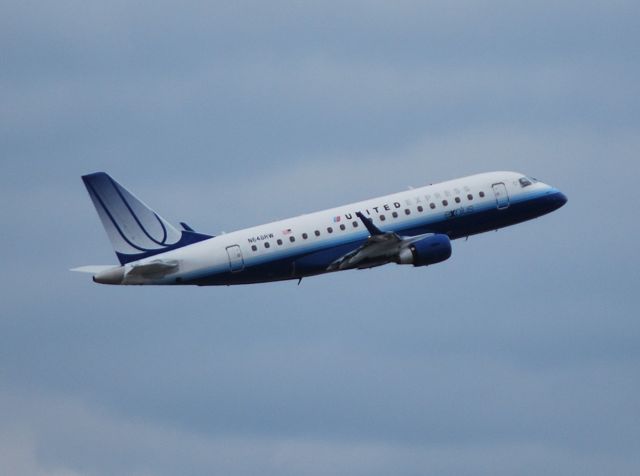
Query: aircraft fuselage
[(309, 244)]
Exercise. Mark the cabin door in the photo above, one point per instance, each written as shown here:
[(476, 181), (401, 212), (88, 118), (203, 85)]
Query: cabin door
[(502, 197), (236, 262)]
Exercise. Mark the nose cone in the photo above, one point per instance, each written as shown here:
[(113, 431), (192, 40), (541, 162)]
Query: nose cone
[(556, 199)]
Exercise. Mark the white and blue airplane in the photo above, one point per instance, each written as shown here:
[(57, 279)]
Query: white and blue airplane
[(410, 227)]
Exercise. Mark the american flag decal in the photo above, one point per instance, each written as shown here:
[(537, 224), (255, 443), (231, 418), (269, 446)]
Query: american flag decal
[(336, 219)]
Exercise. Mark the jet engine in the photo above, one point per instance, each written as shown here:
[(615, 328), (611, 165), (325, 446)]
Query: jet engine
[(430, 250)]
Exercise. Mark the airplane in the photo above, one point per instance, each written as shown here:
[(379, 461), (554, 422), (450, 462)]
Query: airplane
[(412, 227)]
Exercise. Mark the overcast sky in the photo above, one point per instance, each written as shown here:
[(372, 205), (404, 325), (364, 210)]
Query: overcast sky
[(519, 355)]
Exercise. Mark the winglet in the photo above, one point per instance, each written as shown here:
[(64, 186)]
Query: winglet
[(373, 230)]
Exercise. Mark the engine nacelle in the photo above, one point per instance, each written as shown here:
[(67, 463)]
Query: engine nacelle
[(431, 250)]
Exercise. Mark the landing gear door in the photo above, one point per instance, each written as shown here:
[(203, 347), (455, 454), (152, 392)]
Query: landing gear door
[(502, 197), (236, 262)]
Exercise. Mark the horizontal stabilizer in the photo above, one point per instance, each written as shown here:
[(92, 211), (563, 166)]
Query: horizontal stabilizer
[(156, 268), (130, 273), (93, 269)]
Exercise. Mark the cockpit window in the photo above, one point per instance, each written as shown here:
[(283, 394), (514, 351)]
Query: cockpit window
[(525, 182)]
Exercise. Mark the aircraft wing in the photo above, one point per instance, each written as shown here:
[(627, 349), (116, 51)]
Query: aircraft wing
[(380, 248)]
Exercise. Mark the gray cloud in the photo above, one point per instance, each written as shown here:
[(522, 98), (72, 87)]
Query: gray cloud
[(51, 434), (519, 355)]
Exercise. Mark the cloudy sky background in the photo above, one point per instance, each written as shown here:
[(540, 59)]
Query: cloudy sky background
[(520, 355)]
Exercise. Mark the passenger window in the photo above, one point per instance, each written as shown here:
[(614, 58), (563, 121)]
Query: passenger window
[(481, 194), (329, 230), (266, 244), (394, 215), (432, 205), (407, 211), (279, 242), (445, 203), (317, 232), (420, 209), (292, 239), (382, 218), (254, 247), (457, 199), (354, 224), (305, 236), (469, 197), (342, 227)]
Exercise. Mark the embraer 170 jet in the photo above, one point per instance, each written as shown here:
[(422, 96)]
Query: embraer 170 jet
[(411, 227)]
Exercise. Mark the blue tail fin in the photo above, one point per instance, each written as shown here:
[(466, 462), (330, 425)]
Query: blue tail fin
[(135, 230)]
